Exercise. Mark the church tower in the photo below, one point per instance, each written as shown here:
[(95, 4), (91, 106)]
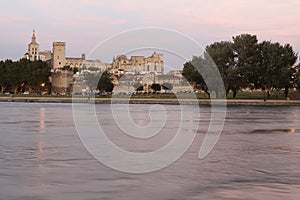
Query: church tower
[(33, 48)]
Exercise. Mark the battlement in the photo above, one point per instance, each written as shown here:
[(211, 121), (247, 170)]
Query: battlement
[(59, 43)]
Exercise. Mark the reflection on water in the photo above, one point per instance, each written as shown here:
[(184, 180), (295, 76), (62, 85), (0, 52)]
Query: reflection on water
[(257, 157), (292, 130), (42, 120)]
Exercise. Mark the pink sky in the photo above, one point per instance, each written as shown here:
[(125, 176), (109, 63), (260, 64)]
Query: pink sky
[(85, 23)]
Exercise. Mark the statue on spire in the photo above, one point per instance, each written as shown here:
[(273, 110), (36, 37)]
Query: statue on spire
[(33, 38)]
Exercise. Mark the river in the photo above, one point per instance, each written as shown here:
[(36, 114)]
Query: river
[(256, 157)]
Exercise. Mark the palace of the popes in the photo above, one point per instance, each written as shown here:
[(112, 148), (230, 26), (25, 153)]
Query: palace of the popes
[(126, 71)]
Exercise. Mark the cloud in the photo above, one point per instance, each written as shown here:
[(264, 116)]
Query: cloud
[(88, 21), (5, 18), (205, 20)]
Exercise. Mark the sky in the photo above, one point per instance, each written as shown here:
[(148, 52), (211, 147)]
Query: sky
[(83, 24)]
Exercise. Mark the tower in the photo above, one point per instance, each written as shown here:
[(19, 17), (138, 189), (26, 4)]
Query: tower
[(33, 48), (59, 55)]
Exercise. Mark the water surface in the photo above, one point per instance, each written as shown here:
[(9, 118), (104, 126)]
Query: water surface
[(41, 156)]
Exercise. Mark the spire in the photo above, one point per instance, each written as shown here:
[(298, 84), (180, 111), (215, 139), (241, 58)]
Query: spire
[(33, 38)]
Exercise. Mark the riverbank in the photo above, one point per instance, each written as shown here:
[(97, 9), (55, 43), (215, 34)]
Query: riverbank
[(171, 101)]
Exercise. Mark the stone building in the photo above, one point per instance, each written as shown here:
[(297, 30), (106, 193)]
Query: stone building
[(33, 52), (177, 73), (125, 83), (174, 80), (138, 64), (33, 48), (61, 81), (45, 55), (59, 59)]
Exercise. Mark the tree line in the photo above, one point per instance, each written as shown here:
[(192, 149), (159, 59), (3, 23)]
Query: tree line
[(155, 87), (244, 63), (23, 75)]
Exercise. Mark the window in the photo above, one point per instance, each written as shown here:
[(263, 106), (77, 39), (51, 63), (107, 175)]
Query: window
[(57, 57), (59, 63)]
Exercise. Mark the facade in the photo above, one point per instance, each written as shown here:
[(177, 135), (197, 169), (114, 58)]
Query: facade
[(59, 55), (95, 65), (59, 59), (34, 53), (61, 81), (138, 64), (33, 49), (45, 55), (174, 80), (146, 71), (177, 73), (127, 81)]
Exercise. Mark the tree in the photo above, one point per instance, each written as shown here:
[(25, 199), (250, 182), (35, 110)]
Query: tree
[(277, 68), (167, 86), (69, 68), (23, 73), (192, 75), (247, 59), (3, 77), (91, 79), (15, 75), (223, 55), (156, 87), (34, 74), (297, 78), (138, 87), (288, 68), (99, 80), (209, 79), (244, 63), (105, 82)]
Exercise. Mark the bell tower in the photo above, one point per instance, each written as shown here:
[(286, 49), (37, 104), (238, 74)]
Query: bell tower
[(33, 48)]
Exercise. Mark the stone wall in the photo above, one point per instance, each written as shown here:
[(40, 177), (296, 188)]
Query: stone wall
[(61, 81)]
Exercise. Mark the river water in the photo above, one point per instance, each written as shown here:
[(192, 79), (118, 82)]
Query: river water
[(42, 157)]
